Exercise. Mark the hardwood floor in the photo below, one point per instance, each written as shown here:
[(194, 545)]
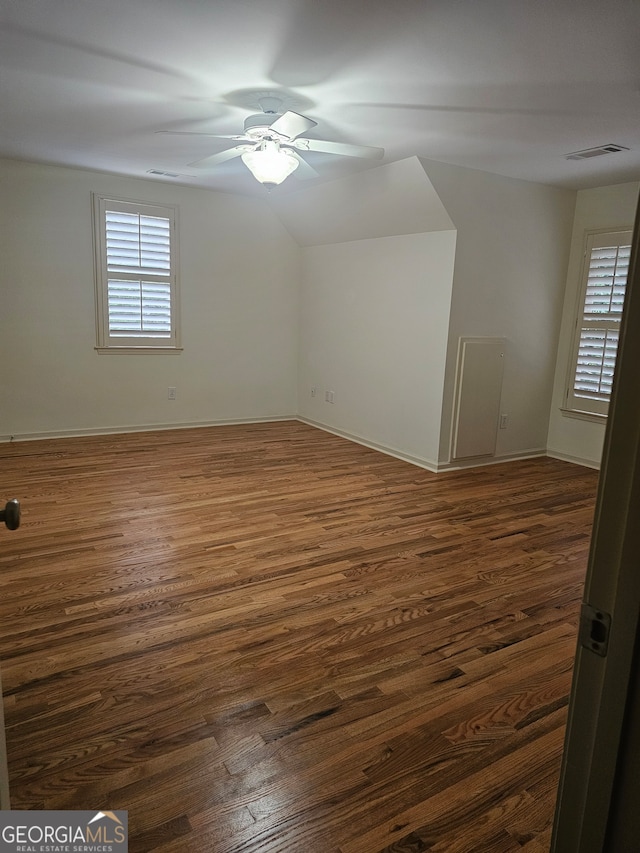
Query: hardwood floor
[(267, 639)]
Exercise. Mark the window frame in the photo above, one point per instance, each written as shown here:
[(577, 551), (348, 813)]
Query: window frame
[(142, 343), (575, 405)]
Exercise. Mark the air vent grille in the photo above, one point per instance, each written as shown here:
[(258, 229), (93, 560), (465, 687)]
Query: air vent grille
[(164, 174), (595, 152)]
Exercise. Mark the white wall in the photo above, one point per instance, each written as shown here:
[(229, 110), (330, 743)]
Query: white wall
[(601, 208), (239, 283), (510, 268), (369, 328), (373, 329), (374, 305), (376, 319)]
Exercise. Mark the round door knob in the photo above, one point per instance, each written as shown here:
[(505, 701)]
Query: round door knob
[(11, 514)]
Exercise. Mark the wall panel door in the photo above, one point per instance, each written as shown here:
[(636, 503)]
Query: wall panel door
[(477, 397)]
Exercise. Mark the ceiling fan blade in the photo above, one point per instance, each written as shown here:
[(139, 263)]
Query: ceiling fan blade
[(342, 148), (199, 133), (304, 172), (292, 124), (221, 157)]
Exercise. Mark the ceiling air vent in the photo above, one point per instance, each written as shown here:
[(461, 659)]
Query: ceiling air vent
[(165, 174), (595, 152)]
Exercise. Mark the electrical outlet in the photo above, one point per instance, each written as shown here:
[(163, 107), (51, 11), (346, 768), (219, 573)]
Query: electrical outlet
[(504, 421), (171, 394), (328, 396)]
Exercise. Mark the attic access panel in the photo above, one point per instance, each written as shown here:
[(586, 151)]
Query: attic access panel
[(477, 397)]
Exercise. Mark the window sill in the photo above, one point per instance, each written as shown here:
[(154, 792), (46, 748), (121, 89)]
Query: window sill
[(139, 350), (584, 416)]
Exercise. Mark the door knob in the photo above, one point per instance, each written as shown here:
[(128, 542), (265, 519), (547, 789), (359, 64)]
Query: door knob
[(11, 514)]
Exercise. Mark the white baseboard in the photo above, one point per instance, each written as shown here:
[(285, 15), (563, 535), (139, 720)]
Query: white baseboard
[(71, 433), (397, 454), (428, 464), (518, 456), (576, 460)]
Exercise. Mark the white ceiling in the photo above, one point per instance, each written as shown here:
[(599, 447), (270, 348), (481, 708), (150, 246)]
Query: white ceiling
[(507, 86)]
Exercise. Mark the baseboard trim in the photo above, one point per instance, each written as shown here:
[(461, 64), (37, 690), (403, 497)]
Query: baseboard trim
[(115, 430), (575, 460), (428, 464), (397, 454), (519, 456)]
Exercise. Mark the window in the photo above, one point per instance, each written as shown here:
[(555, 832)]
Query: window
[(136, 276), (604, 280)]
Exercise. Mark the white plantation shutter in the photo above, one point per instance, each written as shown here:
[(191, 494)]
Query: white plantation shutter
[(137, 283), (596, 362), (598, 324), (139, 245), (139, 308)]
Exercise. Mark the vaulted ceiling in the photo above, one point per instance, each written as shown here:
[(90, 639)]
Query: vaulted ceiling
[(507, 86)]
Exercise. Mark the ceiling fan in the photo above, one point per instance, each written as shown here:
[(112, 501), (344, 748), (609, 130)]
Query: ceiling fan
[(270, 144)]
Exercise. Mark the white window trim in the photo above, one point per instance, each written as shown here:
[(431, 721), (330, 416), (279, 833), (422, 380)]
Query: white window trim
[(574, 405), (133, 344)]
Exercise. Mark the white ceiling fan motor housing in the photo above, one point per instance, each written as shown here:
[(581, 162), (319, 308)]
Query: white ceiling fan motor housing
[(259, 126)]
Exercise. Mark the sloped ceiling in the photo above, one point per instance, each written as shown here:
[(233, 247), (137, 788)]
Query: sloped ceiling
[(392, 199), (505, 86)]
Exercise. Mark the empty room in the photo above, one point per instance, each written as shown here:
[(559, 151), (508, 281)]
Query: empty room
[(318, 426)]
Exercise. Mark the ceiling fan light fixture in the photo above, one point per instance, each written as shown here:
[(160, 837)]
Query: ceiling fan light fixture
[(269, 164)]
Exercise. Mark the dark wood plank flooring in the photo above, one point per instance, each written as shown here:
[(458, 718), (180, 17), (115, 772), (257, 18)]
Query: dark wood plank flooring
[(267, 639)]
